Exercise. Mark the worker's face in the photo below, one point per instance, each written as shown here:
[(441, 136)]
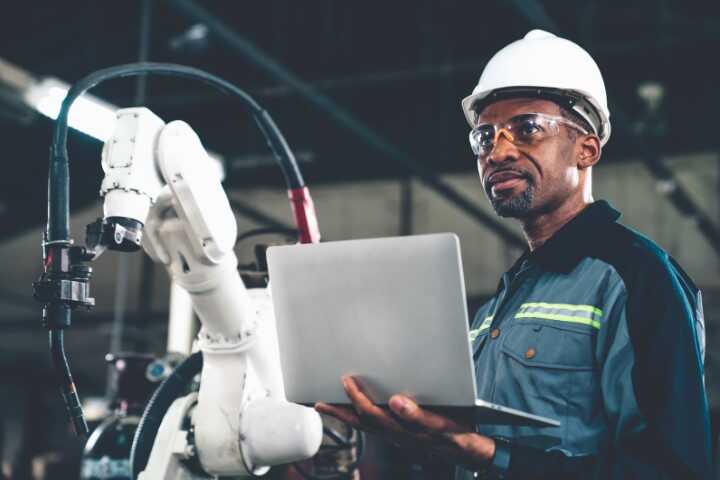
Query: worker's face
[(528, 180)]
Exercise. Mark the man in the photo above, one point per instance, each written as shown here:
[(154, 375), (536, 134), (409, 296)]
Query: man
[(594, 325)]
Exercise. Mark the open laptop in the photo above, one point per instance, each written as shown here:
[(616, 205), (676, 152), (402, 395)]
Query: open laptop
[(389, 311)]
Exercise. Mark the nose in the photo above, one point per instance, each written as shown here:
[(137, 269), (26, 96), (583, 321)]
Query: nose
[(503, 148)]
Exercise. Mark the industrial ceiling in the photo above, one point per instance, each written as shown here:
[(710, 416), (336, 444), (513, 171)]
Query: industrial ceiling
[(400, 67)]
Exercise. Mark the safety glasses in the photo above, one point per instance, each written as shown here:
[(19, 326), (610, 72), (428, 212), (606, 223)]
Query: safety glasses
[(522, 130)]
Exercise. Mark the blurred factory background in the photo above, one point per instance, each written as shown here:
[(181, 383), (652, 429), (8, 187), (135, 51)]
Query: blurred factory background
[(388, 157)]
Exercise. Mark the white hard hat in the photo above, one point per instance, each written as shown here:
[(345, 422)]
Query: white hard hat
[(545, 66)]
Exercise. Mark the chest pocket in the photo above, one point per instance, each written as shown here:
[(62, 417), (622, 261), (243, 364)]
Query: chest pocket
[(548, 368), (550, 344)]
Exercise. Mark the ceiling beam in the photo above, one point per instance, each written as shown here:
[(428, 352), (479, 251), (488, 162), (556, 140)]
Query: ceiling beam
[(342, 117)]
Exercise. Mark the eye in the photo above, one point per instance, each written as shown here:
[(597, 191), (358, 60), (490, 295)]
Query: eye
[(528, 127), (484, 135)]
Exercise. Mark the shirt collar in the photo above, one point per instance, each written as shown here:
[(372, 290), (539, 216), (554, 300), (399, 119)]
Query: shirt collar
[(573, 241)]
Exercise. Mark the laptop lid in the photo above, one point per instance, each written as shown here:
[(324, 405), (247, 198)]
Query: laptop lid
[(390, 311)]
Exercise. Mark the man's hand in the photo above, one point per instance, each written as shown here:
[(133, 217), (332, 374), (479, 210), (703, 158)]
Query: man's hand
[(406, 424)]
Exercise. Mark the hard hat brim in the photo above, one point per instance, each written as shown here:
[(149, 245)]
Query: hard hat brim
[(576, 101)]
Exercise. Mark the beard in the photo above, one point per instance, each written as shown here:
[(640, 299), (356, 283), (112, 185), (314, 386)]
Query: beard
[(518, 205)]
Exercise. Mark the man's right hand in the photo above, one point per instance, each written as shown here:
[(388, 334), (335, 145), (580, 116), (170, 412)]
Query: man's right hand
[(407, 424)]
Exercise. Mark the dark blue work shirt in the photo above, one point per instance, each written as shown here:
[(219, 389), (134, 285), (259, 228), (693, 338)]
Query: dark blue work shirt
[(600, 329)]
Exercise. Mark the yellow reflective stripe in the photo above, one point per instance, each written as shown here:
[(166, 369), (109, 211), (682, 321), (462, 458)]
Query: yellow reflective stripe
[(564, 306), (483, 326), (561, 318)]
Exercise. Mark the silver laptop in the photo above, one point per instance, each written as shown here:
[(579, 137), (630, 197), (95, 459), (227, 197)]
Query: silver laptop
[(389, 311)]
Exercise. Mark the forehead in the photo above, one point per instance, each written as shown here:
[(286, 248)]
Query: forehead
[(508, 108)]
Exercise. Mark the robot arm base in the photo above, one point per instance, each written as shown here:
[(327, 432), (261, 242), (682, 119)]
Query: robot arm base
[(239, 428), (274, 432)]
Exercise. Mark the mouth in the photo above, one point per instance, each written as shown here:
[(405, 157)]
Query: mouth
[(505, 180)]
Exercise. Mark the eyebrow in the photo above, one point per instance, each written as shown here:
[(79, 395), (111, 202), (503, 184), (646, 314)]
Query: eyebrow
[(519, 116)]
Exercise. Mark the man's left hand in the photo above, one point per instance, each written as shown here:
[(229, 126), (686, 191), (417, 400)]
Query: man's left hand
[(406, 424)]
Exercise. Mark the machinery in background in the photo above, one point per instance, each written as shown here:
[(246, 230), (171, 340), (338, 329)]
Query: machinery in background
[(239, 421), (107, 452), (157, 184)]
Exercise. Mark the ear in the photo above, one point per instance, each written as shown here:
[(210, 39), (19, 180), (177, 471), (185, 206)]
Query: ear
[(590, 151)]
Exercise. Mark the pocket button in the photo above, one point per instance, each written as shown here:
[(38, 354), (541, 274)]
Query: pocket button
[(495, 333), (530, 353)]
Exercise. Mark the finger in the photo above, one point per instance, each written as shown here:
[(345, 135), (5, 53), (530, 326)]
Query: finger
[(414, 416), (344, 414), (367, 411)]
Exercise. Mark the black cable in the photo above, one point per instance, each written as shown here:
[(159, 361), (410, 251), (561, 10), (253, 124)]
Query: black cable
[(143, 49), (58, 211), (168, 391), (65, 380), (289, 232), (59, 177), (147, 276), (343, 118)]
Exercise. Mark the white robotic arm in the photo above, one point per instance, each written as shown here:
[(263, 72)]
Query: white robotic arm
[(242, 421)]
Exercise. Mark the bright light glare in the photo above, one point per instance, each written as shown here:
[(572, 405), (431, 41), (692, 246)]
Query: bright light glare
[(88, 114)]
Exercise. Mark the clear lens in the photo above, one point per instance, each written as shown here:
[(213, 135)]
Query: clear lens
[(530, 129), (482, 138), (526, 129)]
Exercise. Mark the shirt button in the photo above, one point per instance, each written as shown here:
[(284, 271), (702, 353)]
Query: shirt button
[(530, 353), (495, 333)]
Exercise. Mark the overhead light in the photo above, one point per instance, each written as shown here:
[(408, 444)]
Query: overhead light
[(652, 93), (88, 114)]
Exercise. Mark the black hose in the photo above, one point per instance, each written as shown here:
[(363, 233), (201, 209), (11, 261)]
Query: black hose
[(58, 207), (289, 232), (168, 391), (65, 381)]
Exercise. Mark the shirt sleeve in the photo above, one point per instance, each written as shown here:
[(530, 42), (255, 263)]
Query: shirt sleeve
[(651, 369)]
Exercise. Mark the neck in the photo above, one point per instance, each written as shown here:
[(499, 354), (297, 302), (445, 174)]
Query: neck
[(538, 229)]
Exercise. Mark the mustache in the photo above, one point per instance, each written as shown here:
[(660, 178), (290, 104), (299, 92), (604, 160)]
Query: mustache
[(520, 173)]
